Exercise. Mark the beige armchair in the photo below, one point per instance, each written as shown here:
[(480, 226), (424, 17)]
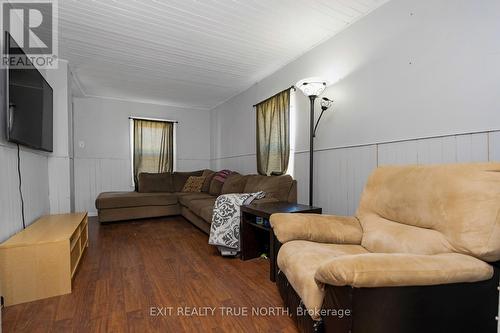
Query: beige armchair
[(423, 227)]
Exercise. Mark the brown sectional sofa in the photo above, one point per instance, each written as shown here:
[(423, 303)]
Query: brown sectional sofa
[(161, 195)]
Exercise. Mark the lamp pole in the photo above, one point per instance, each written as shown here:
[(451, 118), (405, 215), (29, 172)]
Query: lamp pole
[(312, 87), (312, 98)]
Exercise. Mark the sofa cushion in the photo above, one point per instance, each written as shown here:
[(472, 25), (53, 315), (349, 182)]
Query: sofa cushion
[(218, 181), (299, 260), (155, 182), (180, 178), (274, 186), (180, 194), (206, 213), (134, 199), (197, 205), (433, 209), (193, 184), (209, 175), (185, 200), (235, 183)]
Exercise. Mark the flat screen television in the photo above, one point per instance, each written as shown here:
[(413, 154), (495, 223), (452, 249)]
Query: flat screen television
[(29, 103)]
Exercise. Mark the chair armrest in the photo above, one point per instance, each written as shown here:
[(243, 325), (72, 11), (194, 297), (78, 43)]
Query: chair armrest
[(317, 228), (398, 269)]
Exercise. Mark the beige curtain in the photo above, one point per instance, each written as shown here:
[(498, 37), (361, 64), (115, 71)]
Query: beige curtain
[(153, 146), (273, 134)]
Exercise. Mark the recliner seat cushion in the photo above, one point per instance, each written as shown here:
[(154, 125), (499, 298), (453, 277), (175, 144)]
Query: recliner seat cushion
[(372, 270), (134, 199), (300, 259)]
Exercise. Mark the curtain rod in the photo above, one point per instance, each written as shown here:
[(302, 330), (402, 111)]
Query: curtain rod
[(292, 87), (155, 119)]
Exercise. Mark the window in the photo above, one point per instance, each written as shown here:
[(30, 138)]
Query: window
[(152, 143), (273, 134)]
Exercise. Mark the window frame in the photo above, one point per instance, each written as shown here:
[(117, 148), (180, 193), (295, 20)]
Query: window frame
[(131, 143), (293, 133)]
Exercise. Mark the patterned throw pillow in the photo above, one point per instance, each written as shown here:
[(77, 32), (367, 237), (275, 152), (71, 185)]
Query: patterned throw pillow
[(193, 184), (217, 181)]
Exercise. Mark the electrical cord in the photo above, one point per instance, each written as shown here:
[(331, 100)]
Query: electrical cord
[(20, 184)]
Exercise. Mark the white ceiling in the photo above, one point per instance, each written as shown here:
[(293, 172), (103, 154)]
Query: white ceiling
[(193, 53)]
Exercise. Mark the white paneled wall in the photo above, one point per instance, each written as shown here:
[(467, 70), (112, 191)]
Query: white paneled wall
[(494, 146), (341, 173), (245, 164), (59, 179), (96, 175), (340, 176), (35, 189), (447, 149), (190, 164), (10, 204), (34, 171)]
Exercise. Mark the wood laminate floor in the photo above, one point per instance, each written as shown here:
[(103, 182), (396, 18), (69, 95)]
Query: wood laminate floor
[(132, 268)]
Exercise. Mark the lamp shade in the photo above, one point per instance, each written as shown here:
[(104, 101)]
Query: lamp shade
[(312, 86)]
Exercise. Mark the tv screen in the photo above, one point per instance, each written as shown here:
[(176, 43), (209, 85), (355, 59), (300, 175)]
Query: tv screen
[(30, 104)]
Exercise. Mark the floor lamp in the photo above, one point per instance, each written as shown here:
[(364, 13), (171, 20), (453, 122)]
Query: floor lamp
[(312, 88)]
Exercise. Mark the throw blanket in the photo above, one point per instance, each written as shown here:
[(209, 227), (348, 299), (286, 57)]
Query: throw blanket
[(225, 229)]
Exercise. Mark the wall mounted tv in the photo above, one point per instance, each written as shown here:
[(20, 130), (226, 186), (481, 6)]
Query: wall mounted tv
[(29, 103)]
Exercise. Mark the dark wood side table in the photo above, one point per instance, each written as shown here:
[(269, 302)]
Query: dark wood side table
[(257, 239)]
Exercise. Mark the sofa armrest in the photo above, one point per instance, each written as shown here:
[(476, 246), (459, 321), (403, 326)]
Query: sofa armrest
[(317, 228), (398, 269)]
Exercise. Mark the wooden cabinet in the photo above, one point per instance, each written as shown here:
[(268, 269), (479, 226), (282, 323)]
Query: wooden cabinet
[(40, 261)]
